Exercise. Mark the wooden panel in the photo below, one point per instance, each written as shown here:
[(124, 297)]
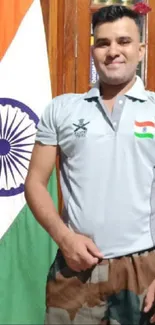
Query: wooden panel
[(69, 46), (52, 43), (60, 47), (53, 14), (151, 48), (45, 10), (83, 45)]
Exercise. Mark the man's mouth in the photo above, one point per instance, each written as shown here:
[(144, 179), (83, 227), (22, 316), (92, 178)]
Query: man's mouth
[(114, 64)]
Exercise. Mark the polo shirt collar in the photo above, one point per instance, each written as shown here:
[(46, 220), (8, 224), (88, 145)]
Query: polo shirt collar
[(94, 91), (137, 91)]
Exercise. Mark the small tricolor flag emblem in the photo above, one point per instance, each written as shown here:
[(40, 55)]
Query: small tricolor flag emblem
[(144, 129)]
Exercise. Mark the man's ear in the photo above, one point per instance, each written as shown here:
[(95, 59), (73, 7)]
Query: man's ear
[(142, 49)]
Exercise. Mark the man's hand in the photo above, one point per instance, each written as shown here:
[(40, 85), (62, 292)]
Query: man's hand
[(79, 252), (149, 300)]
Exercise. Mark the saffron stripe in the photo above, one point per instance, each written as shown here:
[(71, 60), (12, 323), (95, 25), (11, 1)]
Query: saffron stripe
[(11, 14), (144, 135), (146, 123)]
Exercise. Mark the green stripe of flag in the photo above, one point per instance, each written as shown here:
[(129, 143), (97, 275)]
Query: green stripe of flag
[(26, 252), (144, 135)]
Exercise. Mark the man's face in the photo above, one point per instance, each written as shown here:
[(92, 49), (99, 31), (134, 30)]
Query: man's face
[(117, 51)]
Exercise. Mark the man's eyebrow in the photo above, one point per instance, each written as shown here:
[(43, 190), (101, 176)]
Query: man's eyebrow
[(104, 39), (122, 38), (101, 40)]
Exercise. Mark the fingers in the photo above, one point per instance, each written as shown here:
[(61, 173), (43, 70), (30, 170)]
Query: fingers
[(88, 260), (81, 253), (81, 261), (152, 320), (83, 265), (148, 303), (94, 251), (149, 300)]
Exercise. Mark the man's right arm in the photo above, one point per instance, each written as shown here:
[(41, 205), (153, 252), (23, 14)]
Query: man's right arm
[(36, 194), (79, 251)]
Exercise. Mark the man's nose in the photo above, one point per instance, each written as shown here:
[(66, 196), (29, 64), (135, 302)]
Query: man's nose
[(113, 50)]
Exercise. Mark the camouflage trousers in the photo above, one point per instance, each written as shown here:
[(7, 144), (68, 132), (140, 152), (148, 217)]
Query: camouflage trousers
[(112, 292)]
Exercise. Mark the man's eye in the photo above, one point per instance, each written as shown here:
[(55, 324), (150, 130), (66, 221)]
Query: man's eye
[(102, 44), (124, 42)]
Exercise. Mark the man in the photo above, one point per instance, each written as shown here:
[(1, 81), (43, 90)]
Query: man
[(105, 269)]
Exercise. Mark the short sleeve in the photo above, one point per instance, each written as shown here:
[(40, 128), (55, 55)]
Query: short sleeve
[(47, 129)]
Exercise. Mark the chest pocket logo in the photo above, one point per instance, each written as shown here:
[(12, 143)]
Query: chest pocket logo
[(80, 130), (144, 129)]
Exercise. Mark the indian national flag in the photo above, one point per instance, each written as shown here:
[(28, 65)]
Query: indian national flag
[(26, 250), (145, 129)]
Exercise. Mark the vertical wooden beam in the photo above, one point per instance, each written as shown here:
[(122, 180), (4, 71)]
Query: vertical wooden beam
[(52, 43), (45, 11), (69, 46), (83, 45), (60, 46), (151, 47)]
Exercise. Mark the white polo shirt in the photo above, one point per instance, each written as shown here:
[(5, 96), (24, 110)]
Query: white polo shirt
[(107, 166)]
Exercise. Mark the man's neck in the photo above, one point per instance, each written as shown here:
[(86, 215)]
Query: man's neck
[(110, 92)]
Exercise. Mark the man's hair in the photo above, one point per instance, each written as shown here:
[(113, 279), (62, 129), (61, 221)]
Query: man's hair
[(114, 12)]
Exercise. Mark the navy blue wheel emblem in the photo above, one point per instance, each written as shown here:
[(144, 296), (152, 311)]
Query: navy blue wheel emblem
[(17, 133)]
